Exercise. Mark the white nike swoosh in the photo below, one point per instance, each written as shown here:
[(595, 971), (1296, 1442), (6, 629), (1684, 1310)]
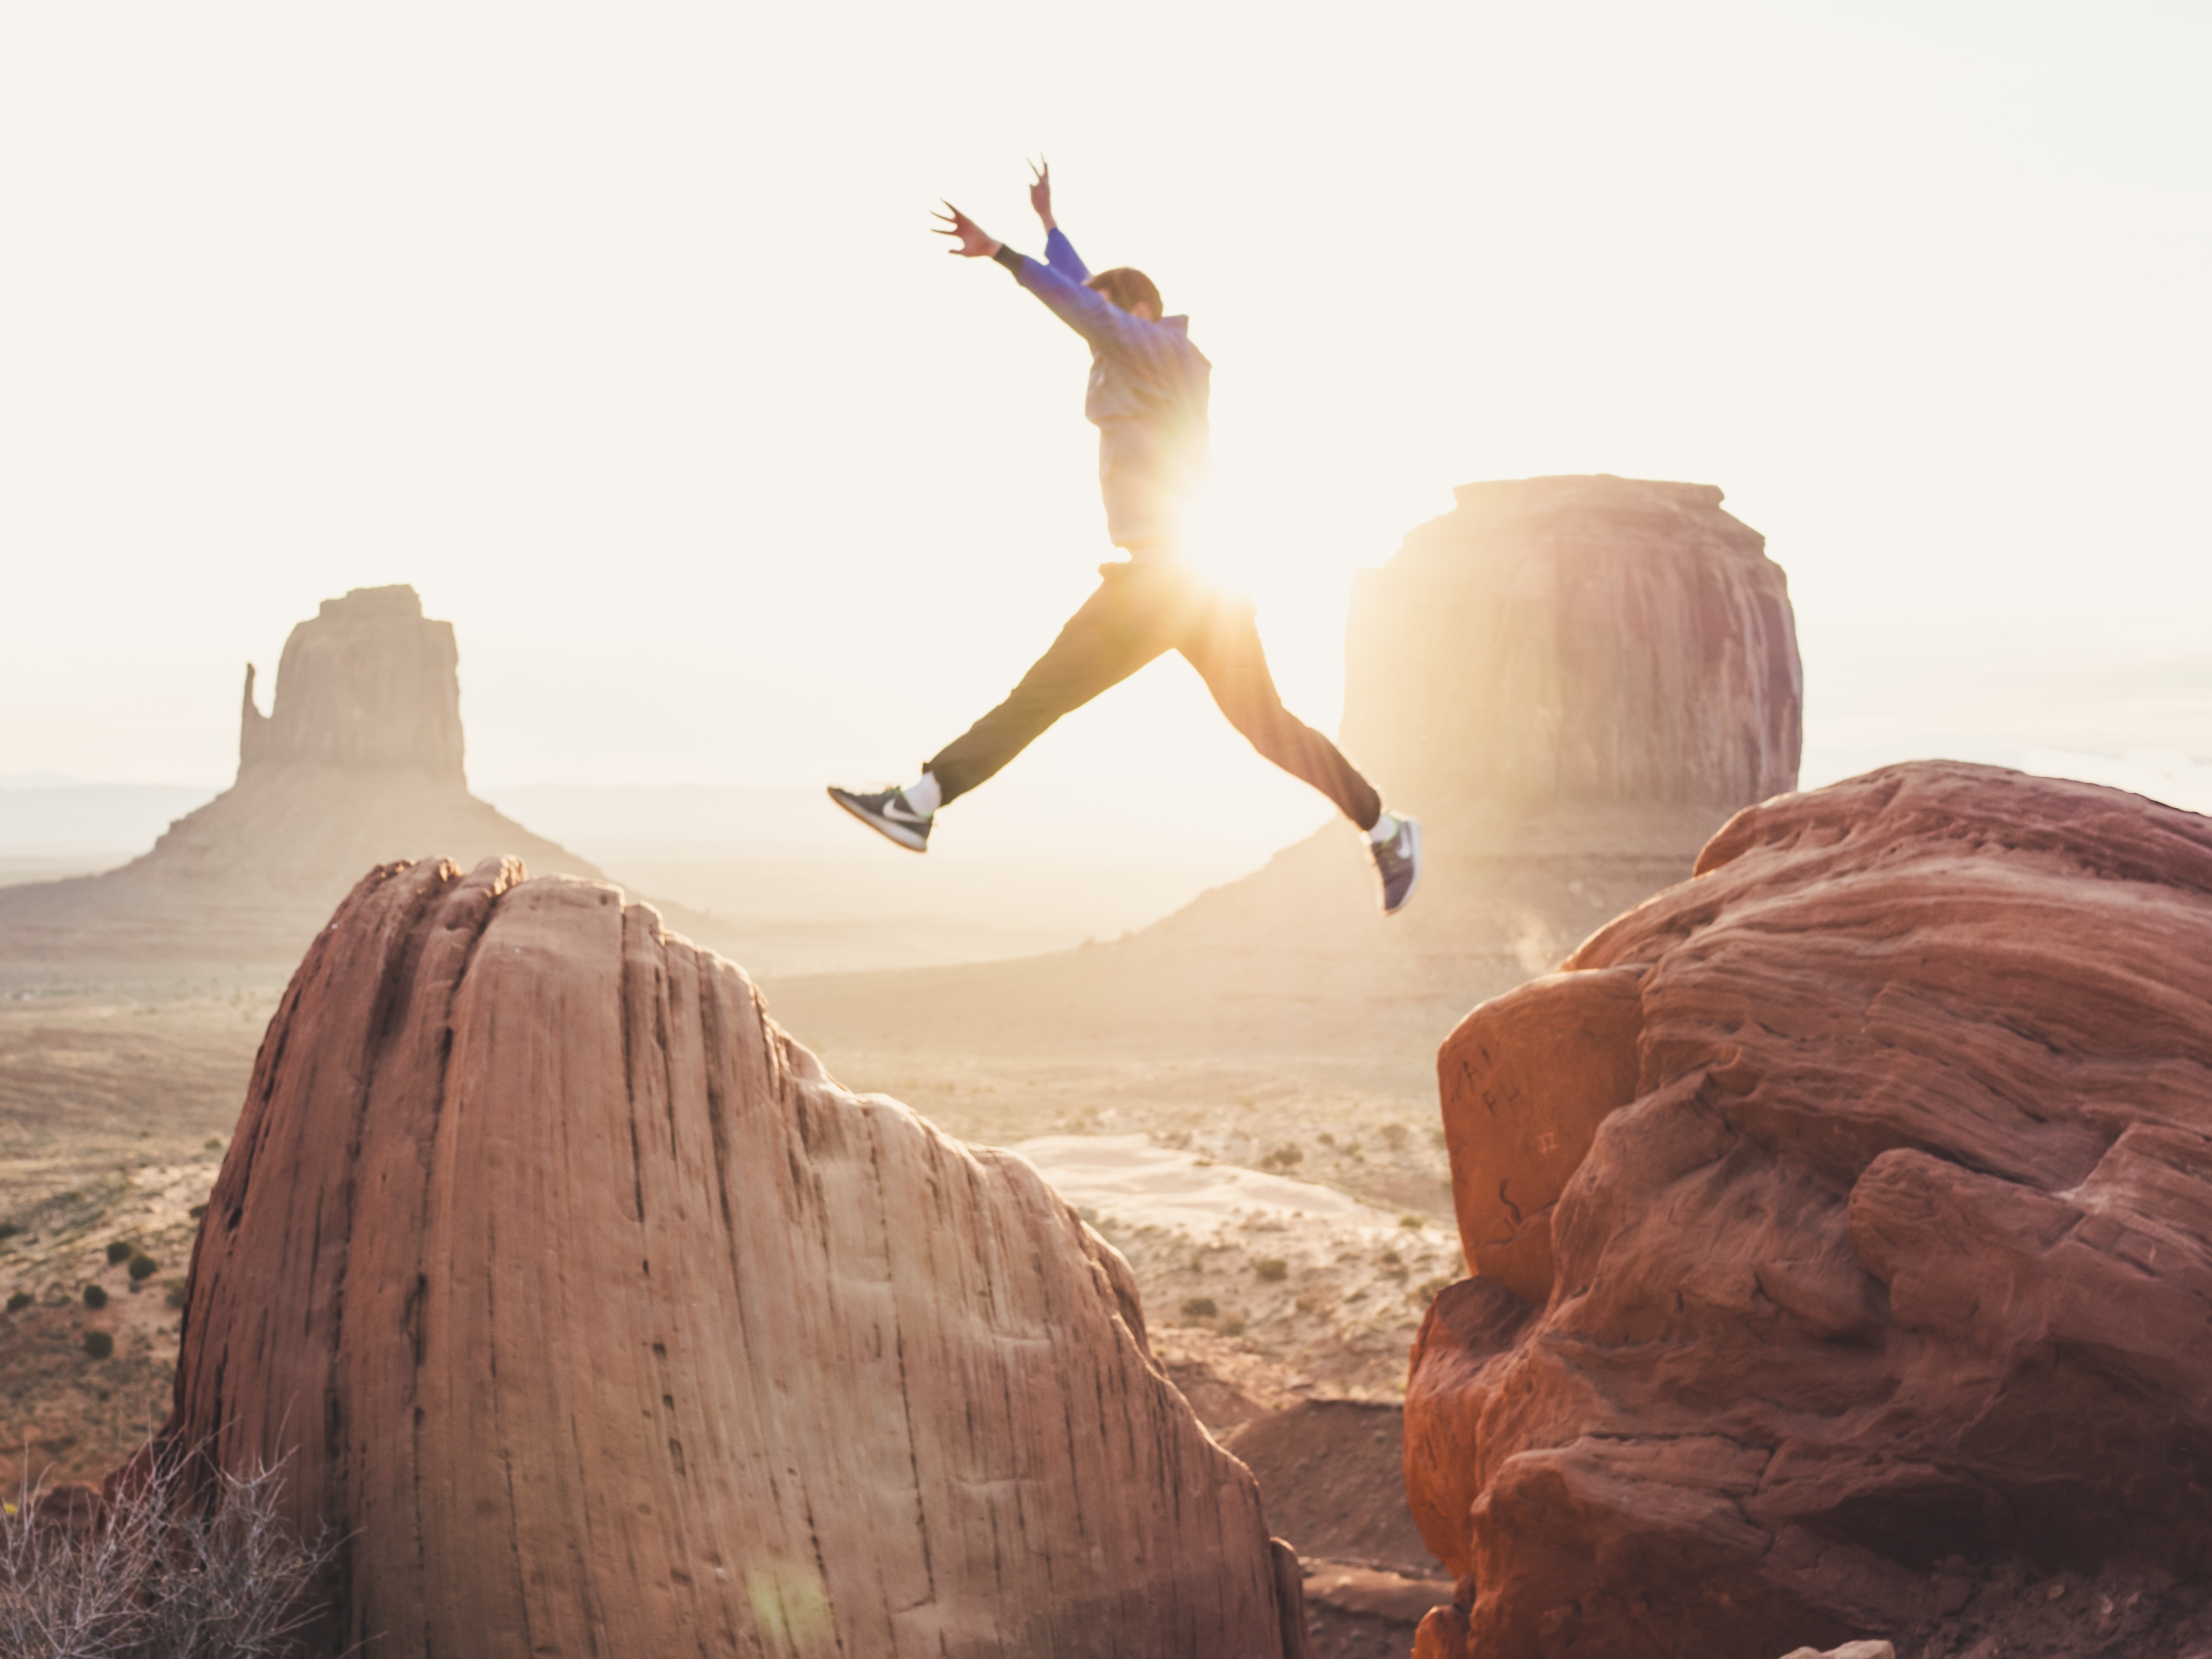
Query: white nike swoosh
[(899, 814)]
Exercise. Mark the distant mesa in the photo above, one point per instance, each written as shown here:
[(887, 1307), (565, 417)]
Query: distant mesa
[(1580, 641), (593, 1316), (370, 685), (360, 763)]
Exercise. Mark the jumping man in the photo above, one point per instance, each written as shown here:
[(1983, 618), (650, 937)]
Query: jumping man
[(1148, 398)]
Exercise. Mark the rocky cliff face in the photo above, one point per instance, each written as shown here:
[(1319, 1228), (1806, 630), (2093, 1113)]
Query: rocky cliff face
[(598, 1319), (1585, 641), (371, 684), (1844, 1209)]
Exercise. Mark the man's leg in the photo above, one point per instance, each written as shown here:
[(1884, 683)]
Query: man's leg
[(1223, 643), (1130, 620)]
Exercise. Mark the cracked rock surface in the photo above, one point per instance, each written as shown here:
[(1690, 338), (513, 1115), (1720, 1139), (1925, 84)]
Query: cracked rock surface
[(597, 1318), (1843, 1210)]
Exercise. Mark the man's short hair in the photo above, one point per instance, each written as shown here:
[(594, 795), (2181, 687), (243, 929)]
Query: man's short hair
[(1128, 288)]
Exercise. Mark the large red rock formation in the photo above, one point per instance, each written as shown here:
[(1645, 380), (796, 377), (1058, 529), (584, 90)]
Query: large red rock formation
[(598, 1319), (1843, 1209), (1588, 640), (360, 763)]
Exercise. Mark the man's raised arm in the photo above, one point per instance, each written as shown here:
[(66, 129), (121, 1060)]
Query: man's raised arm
[(1089, 313), (1059, 253)]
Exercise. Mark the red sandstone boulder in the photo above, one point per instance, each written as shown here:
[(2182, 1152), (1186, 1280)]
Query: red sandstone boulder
[(597, 1319), (1845, 1208)]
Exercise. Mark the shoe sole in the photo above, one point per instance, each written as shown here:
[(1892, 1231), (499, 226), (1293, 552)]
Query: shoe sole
[(1407, 897), (897, 834)]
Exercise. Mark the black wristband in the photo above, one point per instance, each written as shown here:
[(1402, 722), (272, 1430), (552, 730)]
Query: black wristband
[(1006, 257)]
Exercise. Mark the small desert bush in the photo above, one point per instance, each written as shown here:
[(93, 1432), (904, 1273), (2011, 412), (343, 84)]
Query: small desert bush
[(95, 1296), (1284, 1156), (118, 1250), (172, 1569), (1272, 1268), (99, 1344), (20, 1300), (144, 1267), (1199, 1307)]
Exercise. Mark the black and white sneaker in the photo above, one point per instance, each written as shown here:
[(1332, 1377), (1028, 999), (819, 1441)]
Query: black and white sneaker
[(888, 816), (1398, 862)]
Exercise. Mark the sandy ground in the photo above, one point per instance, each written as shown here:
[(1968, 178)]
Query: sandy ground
[(1329, 1291), (114, 1111), (68, 1413)]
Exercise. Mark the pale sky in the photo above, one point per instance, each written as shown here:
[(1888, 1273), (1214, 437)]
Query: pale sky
[(618, 332)]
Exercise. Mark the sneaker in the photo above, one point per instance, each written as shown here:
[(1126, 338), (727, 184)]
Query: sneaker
[(1398, 862), (888, 816)]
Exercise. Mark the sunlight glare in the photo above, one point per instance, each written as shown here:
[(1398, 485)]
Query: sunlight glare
[(1217, 546)]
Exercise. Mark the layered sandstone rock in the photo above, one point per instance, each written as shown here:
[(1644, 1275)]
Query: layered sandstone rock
[(598, 1319), (1844, 1209), (360, 763)]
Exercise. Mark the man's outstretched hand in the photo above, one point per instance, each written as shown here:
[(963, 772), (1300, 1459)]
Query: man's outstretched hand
[(975, 242), (1041, 192)]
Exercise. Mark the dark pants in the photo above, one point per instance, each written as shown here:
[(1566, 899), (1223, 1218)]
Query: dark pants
[(1141, 610)]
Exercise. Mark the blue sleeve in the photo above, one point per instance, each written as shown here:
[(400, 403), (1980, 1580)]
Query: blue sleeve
[(1089, 313), (1060, 253)]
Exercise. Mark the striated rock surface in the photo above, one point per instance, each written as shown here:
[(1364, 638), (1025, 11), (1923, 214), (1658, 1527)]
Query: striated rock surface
[(597, 1318), (1844, 1210), (1591, 640), (359, 764)]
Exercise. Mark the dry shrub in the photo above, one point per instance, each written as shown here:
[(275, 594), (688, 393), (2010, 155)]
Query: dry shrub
[(184, 1562)]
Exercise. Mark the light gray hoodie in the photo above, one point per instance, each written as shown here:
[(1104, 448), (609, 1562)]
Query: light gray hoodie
[(1147, 397)]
